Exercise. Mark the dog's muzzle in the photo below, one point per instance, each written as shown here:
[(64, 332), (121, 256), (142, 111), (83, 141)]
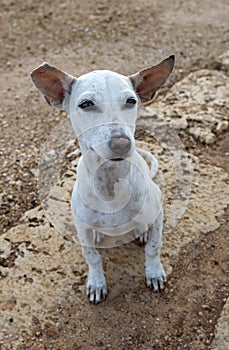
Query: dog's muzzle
[(120, 145)]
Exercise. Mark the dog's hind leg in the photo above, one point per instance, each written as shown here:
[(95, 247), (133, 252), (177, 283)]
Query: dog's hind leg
[(155, 274), (96, 284)]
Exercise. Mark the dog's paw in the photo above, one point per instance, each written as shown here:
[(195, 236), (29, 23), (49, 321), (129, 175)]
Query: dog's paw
[(96, 287), (156, 278)]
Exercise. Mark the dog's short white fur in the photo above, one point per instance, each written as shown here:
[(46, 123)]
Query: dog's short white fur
[(114, 192)]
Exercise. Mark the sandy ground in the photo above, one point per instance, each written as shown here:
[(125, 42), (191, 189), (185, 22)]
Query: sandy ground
[(42, 276)]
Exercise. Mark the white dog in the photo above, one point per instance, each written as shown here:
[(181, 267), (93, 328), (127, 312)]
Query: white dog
[(114, 194)]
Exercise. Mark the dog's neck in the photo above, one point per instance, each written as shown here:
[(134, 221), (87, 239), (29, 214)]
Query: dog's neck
[(104, 175)]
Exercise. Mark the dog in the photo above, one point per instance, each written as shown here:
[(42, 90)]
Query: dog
[(114, 194)]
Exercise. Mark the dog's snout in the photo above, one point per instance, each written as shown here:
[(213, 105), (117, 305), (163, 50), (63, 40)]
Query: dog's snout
[(120, 144)]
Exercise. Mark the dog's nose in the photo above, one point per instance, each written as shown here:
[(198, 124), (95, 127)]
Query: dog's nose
[(120, 145)]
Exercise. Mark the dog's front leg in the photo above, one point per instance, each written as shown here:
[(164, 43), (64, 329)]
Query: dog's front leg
[(96, 284), (155, 274)]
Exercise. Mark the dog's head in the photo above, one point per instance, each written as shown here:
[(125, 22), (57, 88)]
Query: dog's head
[(102, 105)]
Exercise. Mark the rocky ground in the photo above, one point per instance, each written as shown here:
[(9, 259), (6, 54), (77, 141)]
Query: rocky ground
[(42, 273)]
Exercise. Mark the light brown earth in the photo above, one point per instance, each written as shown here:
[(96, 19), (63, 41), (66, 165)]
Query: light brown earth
[(42, 274)]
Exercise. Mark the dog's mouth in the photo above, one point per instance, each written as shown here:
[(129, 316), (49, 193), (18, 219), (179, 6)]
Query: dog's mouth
[(117, 159)]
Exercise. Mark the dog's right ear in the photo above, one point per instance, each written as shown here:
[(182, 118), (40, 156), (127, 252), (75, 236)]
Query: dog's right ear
[(53, 83)]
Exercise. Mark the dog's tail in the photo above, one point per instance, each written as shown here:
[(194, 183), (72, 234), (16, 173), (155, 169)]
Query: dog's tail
[(153, 161)]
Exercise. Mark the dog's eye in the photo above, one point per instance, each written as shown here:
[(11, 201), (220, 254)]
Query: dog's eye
[(87, 104), (131, 101)]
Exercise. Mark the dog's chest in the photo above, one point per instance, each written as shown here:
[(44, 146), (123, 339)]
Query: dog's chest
[(116, 200)]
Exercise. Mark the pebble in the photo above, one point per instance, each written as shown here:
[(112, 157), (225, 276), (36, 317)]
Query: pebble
[(223, 61), (222, 126)]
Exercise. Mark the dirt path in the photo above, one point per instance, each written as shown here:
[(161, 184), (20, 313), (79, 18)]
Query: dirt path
[(125, 37)]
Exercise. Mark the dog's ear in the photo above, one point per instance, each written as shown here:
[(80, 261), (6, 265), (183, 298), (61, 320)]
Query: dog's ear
[(53, 83), (149, 80)]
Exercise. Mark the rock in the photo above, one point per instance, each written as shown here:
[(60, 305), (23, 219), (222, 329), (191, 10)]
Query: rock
[(196, 105), (202, 135), (221, 341)]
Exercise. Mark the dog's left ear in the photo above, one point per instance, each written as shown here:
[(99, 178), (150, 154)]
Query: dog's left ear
[(149, 80), (53, 83)]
